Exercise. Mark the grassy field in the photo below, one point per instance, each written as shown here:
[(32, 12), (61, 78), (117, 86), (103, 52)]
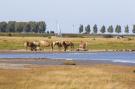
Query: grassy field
[(16, 43), (69, 77)]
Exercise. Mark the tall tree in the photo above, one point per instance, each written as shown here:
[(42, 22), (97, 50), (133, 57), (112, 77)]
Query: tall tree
[(95, 29), (81, 29), (118, 29), (133, 29), (27, 27), (127, 29), (19, 26), (103, 29), (33, 26), (3, 26), (11, 26), (87, 29), (41, 27), (110, 29)]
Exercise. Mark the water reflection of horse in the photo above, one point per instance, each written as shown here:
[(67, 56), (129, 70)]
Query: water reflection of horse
[(64, 44)]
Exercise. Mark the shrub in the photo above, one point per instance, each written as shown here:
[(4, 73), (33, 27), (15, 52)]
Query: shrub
[(108, 36), (69, 63), (49, 37), (129, 39)]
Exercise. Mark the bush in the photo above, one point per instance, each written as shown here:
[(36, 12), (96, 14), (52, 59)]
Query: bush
[(129, 39), (108, 36), (49, 37), (69, 63)]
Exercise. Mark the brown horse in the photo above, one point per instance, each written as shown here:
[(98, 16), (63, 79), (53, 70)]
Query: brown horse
[(43, 44), (82, 46), (32, 45), (64, 44), (67, 44), (58, 44)]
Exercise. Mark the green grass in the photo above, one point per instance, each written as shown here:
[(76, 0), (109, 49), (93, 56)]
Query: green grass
[(16, 43)]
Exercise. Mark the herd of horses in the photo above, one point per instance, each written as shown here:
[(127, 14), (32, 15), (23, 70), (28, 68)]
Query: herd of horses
[(41, 45)]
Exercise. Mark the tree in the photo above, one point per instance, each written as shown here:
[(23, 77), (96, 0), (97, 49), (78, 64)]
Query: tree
[(3, 26), (118, 29), (27, 27), (103, 29), (19, 26), (52, 32), (87, 29), (48, 32), (110, 29), (95, 29), (81, 29), (33, 26), (41, 27), (133, 29), (11, 26), (127, 29)]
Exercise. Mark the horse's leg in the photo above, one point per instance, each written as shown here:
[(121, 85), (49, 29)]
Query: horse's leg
[(65, 48), (52, 46)]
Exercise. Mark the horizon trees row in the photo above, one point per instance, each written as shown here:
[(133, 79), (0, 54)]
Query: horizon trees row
[(31, 26), (87, 29)]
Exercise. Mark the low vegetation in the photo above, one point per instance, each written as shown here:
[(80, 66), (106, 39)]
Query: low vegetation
[(69, 62), (69, 77), (99, 43)]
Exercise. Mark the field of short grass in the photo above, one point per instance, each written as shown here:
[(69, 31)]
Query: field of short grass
[(16, 43), (69, 77)]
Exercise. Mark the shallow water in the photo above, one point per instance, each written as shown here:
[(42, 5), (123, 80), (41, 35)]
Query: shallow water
[(127, 57)]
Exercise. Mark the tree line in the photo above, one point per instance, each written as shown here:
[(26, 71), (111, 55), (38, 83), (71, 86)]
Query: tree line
[(31, 26), (87, 29)]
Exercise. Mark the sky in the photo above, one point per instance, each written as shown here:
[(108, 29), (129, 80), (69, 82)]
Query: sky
[(69, 13)]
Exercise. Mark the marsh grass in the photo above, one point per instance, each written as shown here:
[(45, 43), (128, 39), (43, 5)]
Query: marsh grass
[(69, 77), (11, 43)]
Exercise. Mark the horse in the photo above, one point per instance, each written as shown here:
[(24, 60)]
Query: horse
[(82, 46), (32, 45), (58, 44), (64, 44), (43, 44), (67, 44)]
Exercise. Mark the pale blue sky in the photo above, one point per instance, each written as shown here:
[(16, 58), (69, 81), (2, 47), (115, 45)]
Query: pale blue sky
[(69, 12)]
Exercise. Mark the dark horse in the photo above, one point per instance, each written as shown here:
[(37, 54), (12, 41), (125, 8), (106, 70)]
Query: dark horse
[(67, 44), (32, 45), (64, 44)]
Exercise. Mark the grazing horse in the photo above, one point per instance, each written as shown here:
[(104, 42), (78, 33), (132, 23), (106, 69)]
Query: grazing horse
[(44, 43), (64, 44), (58, 44), (67, 44), (32, 45), (82, 46)]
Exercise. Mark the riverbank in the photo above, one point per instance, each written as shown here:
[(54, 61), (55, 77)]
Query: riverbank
[(56, 51)]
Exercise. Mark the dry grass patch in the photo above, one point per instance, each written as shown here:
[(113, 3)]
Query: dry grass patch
[(69, 77)]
